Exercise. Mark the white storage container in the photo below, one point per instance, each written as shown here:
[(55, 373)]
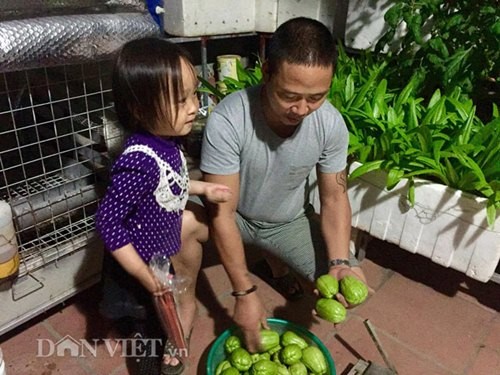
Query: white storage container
[(269, 14), (208, 17)]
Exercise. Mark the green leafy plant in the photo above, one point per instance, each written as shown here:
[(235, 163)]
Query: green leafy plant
[(395, 130), (456, 43), (247, 77)]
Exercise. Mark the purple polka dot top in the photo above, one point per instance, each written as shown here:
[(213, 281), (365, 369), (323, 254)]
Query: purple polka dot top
[(145, 200)]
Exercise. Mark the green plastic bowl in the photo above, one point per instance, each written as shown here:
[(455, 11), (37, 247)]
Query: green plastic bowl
[(216, 353)]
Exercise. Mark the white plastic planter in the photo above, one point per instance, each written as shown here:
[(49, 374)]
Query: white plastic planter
[(445, 225)]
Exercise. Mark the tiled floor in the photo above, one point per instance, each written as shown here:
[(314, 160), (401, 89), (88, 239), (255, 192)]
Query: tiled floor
[(430, 320)]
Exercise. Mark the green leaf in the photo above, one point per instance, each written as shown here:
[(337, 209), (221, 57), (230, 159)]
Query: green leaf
[(438, 45), (394, 15), (349, 88), (468, 162), (467, 128), (459, 107), (455, 63), (401, 132), (427, 173), (411, 192), (451, 173), (361, 97), (415, 27), (379, 106), (495, 111), (437, 112), (437, 145), (234, 83), (393, 178), (491, 213), (455, 20), (407, 91), (430, 162), (393, 120), (209, 88), (366, 168), (434, 98), (436, 60), (413, 117)]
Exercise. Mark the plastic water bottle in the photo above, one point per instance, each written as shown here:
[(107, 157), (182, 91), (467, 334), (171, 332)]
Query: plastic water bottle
[(2, 364), (9, 255)]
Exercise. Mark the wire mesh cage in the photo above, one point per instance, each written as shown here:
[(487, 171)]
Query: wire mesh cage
[(54, 156)]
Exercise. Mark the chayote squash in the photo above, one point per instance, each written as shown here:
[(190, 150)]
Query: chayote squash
[(264, 367), (354, 290), (291, 354), (222, 366), (297, 369), (330, 310), (231, 343), (275, 357), (282, 370), (230, 371), (314, 360), (258, 356), (241, 359), (265, 355), (269, 339), (274, 349), (289, 337), (327, 285)]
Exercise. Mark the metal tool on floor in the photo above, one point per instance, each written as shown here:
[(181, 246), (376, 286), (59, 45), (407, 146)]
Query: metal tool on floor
[(363, 367)]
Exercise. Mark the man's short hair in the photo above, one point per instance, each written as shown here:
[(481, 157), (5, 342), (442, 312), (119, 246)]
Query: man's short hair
[(302, 41)]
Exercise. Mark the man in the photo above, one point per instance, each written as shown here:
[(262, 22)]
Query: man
[(263, 143)]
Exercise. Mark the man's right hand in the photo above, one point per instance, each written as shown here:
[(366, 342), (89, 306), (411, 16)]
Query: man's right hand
[(250, 316)]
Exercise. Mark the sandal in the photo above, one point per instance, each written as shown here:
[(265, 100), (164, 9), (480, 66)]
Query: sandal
[(167, 368), (288, 285)]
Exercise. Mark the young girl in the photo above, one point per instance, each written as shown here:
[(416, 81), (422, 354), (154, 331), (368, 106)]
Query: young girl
[(155, 93)]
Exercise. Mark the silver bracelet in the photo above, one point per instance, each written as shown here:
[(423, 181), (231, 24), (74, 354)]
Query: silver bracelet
[(339, 262)]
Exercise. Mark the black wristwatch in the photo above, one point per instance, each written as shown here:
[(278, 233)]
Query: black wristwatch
[(339, 262)]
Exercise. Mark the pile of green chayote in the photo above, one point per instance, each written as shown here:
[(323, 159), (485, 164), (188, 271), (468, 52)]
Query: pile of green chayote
[(353, 290), (285, 354)]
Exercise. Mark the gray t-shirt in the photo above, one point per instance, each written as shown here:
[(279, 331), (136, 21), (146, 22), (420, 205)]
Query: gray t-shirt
[(273, 170)]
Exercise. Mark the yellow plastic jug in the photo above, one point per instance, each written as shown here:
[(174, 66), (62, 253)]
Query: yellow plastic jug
[(9, 255)]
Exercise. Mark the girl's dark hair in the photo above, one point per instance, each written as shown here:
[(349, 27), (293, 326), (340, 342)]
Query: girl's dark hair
[(147, 76), (301, 41)]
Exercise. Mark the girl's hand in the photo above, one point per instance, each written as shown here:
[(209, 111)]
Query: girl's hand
[(153, 285), (217, 193)]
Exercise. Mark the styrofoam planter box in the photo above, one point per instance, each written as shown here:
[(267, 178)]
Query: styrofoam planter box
[(445, 225)]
